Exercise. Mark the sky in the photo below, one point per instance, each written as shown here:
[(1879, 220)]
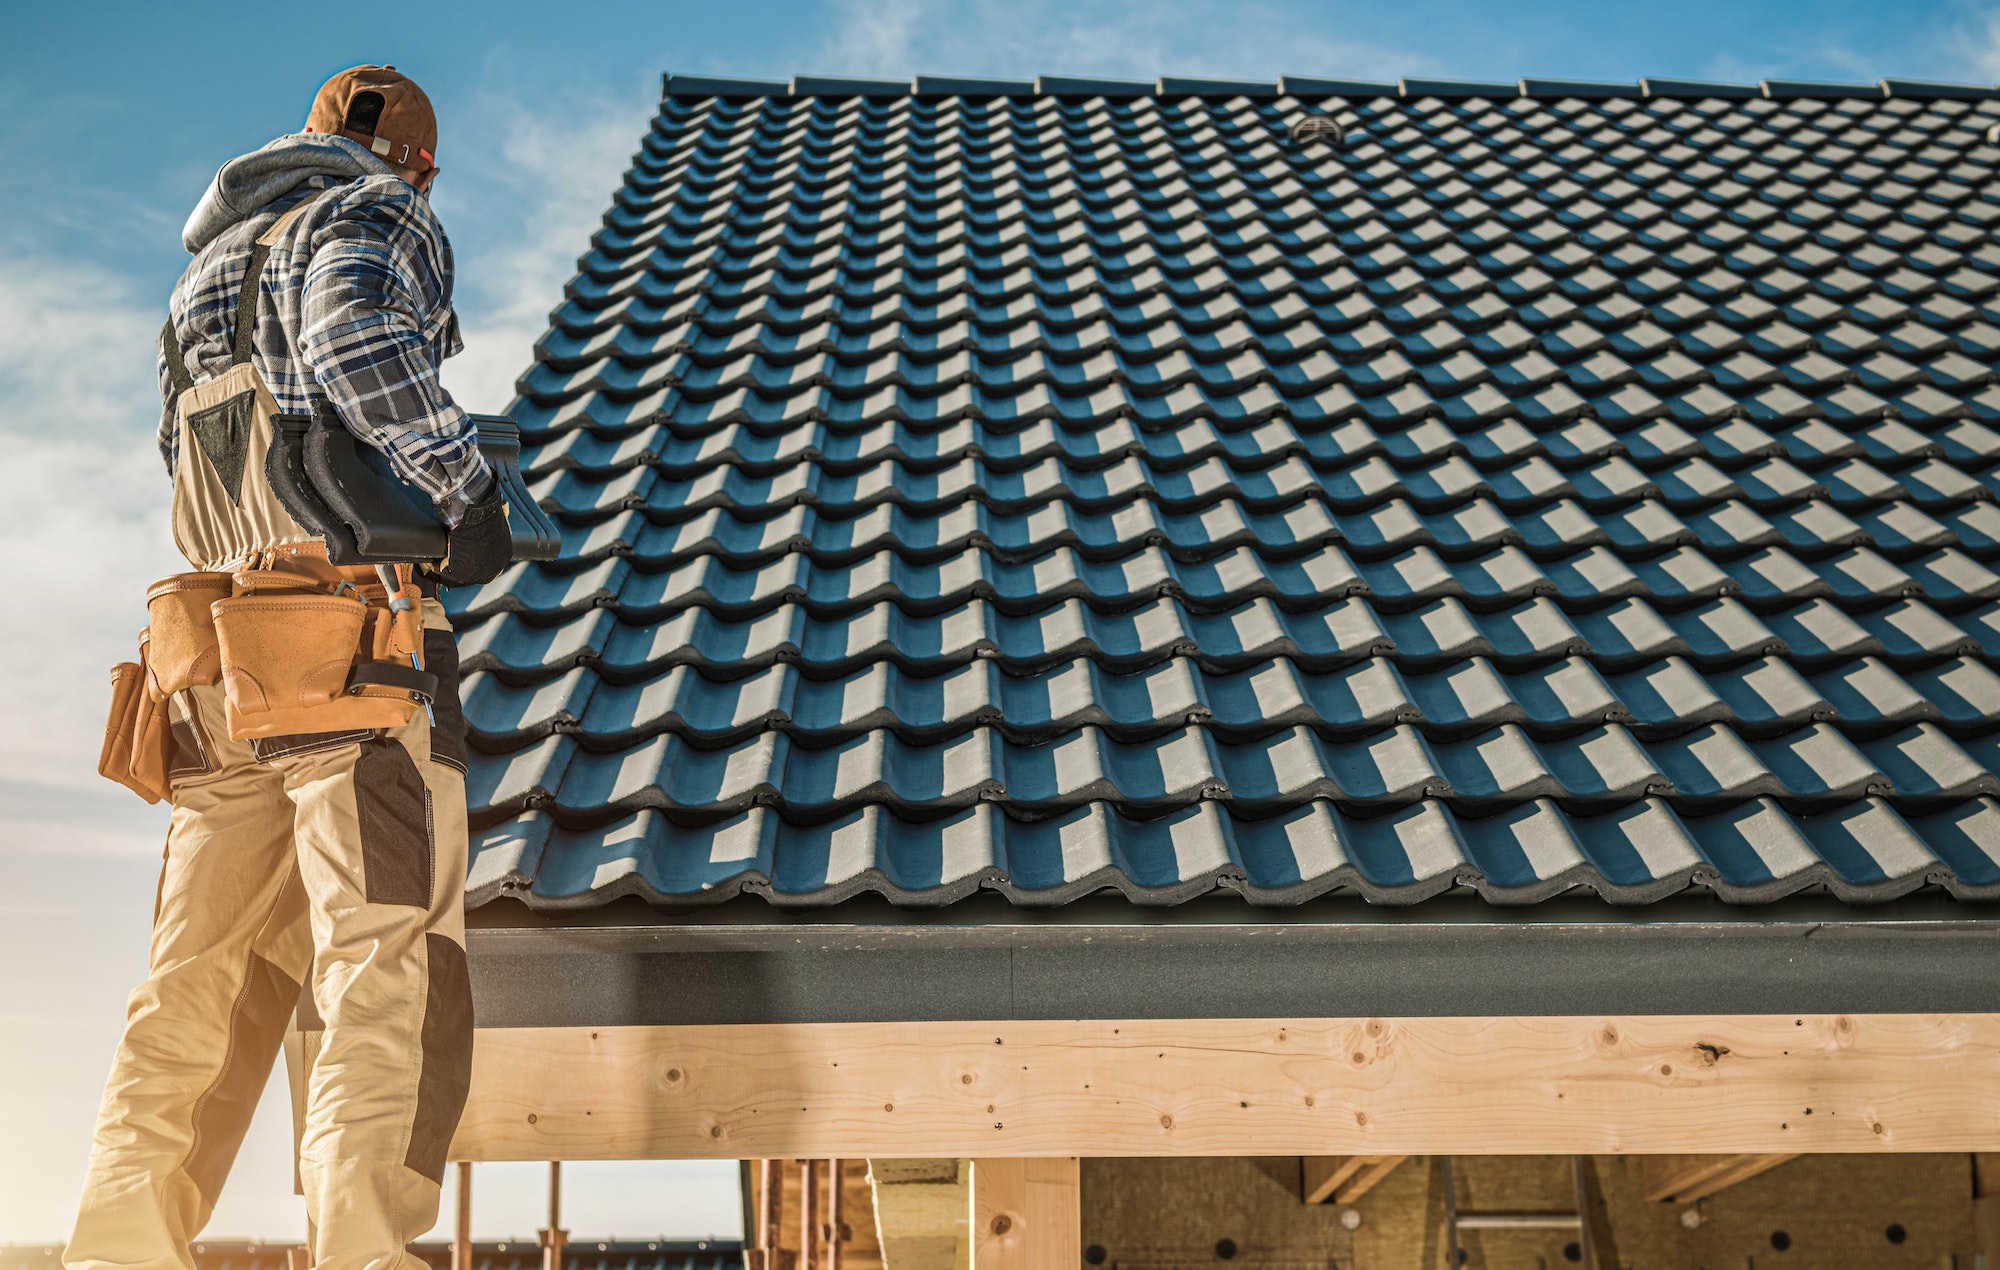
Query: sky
[(113, 117)]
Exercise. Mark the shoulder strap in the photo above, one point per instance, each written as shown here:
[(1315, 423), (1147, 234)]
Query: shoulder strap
[(176, 358), (253, 275)]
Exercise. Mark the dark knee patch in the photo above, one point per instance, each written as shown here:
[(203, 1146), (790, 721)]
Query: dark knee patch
[(222, 1113), (394, 811), (447, 1058), (187, 753), (447, 715)]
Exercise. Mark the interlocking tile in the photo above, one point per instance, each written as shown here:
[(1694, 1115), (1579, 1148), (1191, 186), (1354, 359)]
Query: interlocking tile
[(1082, 485)]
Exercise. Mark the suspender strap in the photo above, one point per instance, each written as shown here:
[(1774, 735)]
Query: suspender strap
[(247, 296), (176, 359), (253, 279), (246, 303)]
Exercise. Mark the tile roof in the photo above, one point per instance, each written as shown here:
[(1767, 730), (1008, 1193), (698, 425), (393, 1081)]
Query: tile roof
[(1082, 484)]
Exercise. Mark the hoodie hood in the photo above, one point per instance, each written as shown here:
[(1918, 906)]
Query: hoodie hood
[(248, 183)]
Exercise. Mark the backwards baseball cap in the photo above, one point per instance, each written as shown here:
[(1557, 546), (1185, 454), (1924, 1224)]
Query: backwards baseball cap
[(383, 109)]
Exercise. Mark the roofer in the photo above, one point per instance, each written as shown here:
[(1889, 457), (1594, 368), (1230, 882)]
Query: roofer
[(301, 717)]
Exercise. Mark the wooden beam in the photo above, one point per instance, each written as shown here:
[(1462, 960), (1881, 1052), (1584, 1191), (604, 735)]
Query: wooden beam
[(1683, 1179), (1342, 1179), (1026, 1214), (1418, 1086)]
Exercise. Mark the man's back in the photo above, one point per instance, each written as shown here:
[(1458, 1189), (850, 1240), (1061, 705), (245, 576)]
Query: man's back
[(302, 716)]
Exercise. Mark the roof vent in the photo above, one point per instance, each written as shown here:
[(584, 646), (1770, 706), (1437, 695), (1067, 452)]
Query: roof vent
[(1324, 129)]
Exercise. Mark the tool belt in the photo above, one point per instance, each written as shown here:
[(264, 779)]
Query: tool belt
[(298, 645), (303, 607)]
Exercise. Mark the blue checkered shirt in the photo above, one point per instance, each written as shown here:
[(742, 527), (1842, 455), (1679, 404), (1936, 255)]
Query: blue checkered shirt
[(356, 307)]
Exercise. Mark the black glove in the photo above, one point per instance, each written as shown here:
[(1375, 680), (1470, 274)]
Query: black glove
[(480, 545)]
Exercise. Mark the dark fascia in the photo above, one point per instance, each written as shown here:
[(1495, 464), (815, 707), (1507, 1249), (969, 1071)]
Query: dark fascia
[(862, 962), (1180, 86), (673, 85), (1923, 90), (1792, 90), (1355, 89), (1695, 88), (1580, 89), (1451, 88), (958, 86), (936, 86), (838, 86), (1067, 86), (988, 911)]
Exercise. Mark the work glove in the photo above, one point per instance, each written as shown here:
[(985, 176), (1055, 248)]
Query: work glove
[(480, 545)]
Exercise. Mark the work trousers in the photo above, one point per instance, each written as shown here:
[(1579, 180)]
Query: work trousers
[(334, 861)]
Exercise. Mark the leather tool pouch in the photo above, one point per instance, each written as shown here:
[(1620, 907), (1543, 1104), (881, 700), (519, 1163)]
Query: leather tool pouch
[(298, 658), (184, 649), (134, 752)]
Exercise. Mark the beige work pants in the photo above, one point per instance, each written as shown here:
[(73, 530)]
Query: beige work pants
[(336, 861)]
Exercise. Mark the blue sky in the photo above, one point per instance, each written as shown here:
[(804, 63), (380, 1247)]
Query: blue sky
[(112, 119)]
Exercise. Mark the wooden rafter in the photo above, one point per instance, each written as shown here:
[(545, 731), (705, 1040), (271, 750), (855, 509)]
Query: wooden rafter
[(1342, 1179), (1686, 1178)]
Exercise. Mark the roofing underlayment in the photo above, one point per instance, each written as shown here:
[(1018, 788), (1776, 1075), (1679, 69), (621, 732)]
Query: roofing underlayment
[(1050, 487)]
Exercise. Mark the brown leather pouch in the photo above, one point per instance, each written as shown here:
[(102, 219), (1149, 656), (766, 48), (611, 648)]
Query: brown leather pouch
[(184, 649), (134, 752), (287, 650)]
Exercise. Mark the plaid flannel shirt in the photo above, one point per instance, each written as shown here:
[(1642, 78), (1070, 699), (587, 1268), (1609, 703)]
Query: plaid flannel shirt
[(356, 307)]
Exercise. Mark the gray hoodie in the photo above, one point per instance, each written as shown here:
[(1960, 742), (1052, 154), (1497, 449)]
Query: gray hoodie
[(251, 181)]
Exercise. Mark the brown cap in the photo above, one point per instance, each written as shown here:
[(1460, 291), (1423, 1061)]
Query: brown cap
[(383, 109)]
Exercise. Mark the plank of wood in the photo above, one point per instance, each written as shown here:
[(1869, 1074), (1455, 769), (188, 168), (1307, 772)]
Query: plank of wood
[(1375, 1170), (1686, 1178), (1026, 1214), (1321, 1175), (1418, 1086), (1342, 1179), (1985, 1174)]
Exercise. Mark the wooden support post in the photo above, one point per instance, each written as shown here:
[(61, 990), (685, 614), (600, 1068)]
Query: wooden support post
[(808, 1214), (461, 1244), (1026, 1214), (1342, 1179), (770, 1204), (555, 1237), (835, 1223), (766, 1250), (1684, 1179)]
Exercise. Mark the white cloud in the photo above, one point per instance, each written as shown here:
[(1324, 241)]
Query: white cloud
[(533, 190), (81, 533), (1023, 38), (1972, 52)]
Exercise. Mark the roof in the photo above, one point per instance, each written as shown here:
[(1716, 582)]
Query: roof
[(1049, 488)]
